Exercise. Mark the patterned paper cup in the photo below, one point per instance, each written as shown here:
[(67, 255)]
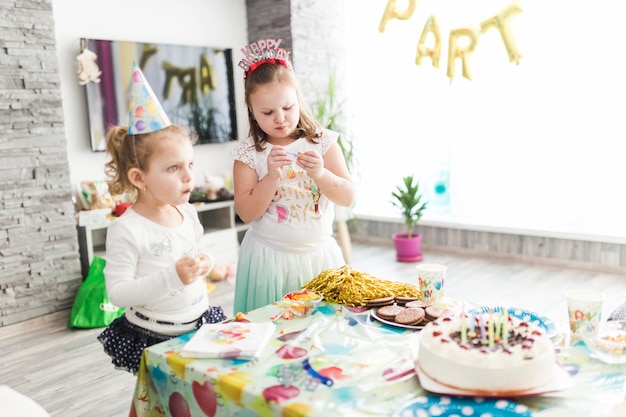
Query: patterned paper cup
[(585, 309), (430, 278)]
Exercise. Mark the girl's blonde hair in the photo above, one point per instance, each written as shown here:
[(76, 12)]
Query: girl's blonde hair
[(307, 127), (132, 151)]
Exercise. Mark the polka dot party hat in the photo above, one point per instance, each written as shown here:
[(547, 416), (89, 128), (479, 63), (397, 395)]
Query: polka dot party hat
[(146, 114)]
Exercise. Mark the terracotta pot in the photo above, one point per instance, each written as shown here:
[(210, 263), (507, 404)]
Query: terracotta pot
[(408, 249)]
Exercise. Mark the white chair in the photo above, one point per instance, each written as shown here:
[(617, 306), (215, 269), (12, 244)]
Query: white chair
[(15, 404)]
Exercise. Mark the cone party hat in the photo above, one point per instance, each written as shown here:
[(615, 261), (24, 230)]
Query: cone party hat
[(146, 114)]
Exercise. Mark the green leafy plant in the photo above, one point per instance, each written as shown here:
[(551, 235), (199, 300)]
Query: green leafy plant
[(408, 199)]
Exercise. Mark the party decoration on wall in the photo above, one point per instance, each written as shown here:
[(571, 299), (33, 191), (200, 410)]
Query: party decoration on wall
[(86, 67), (501, 23), (455, 50), (433, 52), (391, 12)]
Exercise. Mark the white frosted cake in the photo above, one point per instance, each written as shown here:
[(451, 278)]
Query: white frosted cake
[(470, 353)]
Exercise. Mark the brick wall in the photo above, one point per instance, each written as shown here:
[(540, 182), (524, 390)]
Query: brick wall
[(39, 261), (314, 32)]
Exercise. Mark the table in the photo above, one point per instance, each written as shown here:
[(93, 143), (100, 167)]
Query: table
[(370, 364)]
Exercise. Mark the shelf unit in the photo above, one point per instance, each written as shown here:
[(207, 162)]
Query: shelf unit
[(223, 231)]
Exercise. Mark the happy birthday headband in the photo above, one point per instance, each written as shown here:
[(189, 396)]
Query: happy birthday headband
[(263, 51)]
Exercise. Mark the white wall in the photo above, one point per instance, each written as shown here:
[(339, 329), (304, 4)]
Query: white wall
[(535, 147), (186, 22)]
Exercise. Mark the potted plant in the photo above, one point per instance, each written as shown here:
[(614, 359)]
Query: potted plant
[(408, 199)]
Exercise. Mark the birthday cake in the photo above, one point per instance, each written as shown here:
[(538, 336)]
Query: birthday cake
[(491, 353)]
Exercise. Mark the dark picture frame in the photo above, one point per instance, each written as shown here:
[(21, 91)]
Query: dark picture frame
[(194, 84)]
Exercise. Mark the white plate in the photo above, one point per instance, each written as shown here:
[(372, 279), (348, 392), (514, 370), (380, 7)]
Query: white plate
[(524, 315), (374, 314), (561, 381)]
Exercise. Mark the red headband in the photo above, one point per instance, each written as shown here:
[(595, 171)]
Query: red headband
[(264, 51)]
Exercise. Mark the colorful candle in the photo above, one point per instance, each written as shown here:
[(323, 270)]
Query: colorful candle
[(498, 327), (483, 330), (505, 329), (490, 329), (472, 324), (463, 330)]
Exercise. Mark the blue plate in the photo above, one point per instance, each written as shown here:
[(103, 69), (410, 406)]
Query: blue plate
[(446, 406), (524, 315)]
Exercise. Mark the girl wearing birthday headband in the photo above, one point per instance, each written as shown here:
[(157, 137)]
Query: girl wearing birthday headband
[(154, 262), (287, 176)]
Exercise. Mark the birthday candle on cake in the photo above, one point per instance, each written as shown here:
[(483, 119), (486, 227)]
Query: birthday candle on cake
[(490, 331), (505, 328), (483, 330), (463, 329), (498, 327)]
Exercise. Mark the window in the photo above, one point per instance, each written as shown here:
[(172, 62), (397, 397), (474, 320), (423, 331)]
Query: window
[(535, 146)]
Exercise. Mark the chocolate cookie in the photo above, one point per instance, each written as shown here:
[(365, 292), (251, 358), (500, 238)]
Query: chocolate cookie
[(410, 316), (403, 300), (418, 304), (435, 312), (379, 302), (389, 312)]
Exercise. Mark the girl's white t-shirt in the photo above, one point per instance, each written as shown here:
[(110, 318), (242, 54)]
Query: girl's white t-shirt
[(140, 270), (300, 216)]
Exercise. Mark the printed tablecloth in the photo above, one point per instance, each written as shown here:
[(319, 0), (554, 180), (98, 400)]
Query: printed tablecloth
[(370, 366)]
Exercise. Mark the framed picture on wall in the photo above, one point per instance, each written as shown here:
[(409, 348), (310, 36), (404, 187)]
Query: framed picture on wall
[(193, 83)]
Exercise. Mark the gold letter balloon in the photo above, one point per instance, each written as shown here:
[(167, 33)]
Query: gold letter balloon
[(434, 52), (457, 47), (455, 50), (501, 22), (391, 12)]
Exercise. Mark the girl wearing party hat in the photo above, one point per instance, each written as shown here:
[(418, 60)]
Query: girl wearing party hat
[(154, 263), (287, 176)]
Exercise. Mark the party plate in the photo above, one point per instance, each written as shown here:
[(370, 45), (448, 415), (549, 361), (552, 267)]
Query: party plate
[(561, 381), (524, 315), (374, 314), (445, 406)]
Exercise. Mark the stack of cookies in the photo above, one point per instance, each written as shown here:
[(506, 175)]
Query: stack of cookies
[(410, 313)]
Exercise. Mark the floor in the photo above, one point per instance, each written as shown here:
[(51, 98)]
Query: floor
[(67, 373)]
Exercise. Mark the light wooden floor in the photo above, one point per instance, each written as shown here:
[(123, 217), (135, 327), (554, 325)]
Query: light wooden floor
[(68, 374)]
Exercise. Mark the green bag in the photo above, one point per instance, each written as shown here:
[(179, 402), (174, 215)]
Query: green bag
[(92, 307)]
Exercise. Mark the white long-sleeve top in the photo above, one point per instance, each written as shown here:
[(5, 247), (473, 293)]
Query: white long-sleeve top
[(141, 276)]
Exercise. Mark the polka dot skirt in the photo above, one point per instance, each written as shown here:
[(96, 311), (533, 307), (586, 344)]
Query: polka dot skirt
[(124, 341)]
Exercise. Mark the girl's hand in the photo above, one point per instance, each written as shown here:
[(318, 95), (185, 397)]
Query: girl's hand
[(312, 163), (190, 269), (276, 160)]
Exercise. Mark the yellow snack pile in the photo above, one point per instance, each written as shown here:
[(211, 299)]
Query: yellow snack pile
[(354, 288)]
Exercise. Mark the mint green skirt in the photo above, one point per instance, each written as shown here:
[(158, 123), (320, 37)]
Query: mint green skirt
[(266, 274)]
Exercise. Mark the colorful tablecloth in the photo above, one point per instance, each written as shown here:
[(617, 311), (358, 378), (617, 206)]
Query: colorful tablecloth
[(370, 367)]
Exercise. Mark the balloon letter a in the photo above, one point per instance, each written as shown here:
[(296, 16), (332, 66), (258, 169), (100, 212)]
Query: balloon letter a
[(434, 52)]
